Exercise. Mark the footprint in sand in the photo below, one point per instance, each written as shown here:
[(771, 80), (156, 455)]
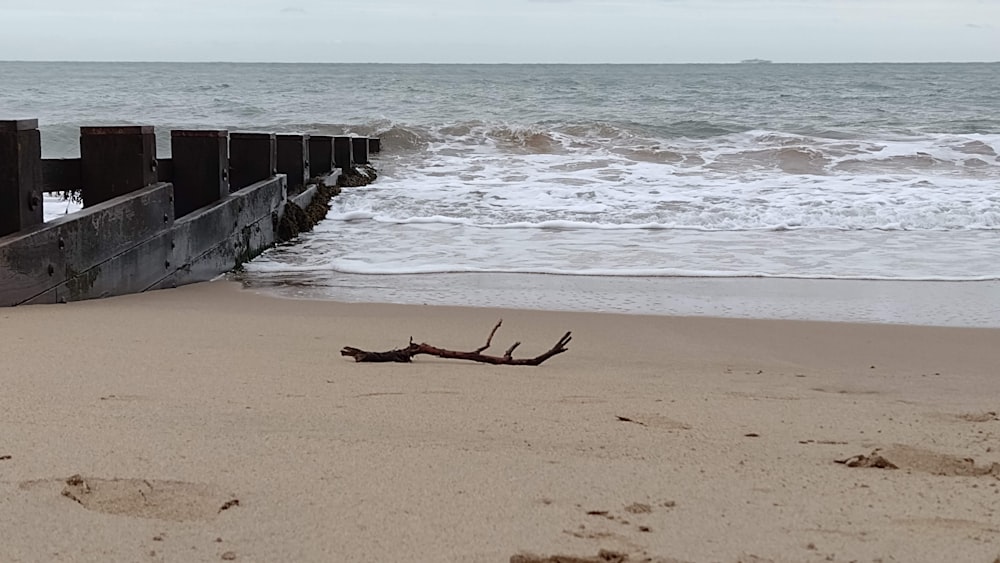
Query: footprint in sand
[(176, 501), (920, 460), (603, 556), (990, 416)]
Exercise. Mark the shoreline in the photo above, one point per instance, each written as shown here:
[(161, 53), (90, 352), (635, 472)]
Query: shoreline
[(919, 303), (674, 438)]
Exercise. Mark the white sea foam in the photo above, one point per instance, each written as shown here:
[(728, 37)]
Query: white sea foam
[(609, 191), (603, 201)]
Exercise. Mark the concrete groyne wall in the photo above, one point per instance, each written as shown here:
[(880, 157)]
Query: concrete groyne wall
[(149, 223)]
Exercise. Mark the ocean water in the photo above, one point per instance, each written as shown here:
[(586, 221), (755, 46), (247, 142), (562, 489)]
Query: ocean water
[(634, 188)]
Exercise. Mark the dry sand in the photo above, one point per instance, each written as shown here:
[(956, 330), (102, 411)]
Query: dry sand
[(209, 423)]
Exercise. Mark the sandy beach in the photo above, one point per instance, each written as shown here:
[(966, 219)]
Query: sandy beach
[(211, 423)]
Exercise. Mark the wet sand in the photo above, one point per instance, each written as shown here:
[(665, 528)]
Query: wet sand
[(928, 303), (209, 423)]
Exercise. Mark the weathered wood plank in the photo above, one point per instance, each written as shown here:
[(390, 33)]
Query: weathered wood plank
[(343, 152), (50, 297), (97, 234), (359, 146), (320, 154), (31, 263), (293, 160), (165, 170), (35, 261), (221, 237), (241, 246), (61, 174), (133, 271), (201, 168), (116, 161), (20, 175), (253, 157), (64, 174)]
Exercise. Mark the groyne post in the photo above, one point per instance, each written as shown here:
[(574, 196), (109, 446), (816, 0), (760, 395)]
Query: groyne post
[(252, 157), (320, 154), (360, 148), (116, 161), (374, 145), (293, 160), (343, 155), (201, 168), (20, 175)]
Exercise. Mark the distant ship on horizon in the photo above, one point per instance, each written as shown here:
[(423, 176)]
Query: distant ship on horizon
[(755, 62)]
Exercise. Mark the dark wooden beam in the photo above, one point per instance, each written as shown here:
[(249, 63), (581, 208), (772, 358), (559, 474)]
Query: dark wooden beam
[(253, 157), (20, 175), (343, 153), (320, 154), (360, 148), (293, 160), (61, 174), (201, 168), (116, 161)]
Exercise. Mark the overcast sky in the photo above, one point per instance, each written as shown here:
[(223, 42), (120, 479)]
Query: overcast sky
[(489, 31)]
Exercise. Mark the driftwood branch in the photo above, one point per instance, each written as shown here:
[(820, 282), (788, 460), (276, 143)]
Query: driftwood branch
[(405, 355), (489, 339)]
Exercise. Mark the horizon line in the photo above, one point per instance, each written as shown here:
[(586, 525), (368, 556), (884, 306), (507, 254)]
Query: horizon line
[(746, 62)]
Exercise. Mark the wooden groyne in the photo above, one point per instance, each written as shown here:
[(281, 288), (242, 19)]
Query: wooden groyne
[(149, 223)]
